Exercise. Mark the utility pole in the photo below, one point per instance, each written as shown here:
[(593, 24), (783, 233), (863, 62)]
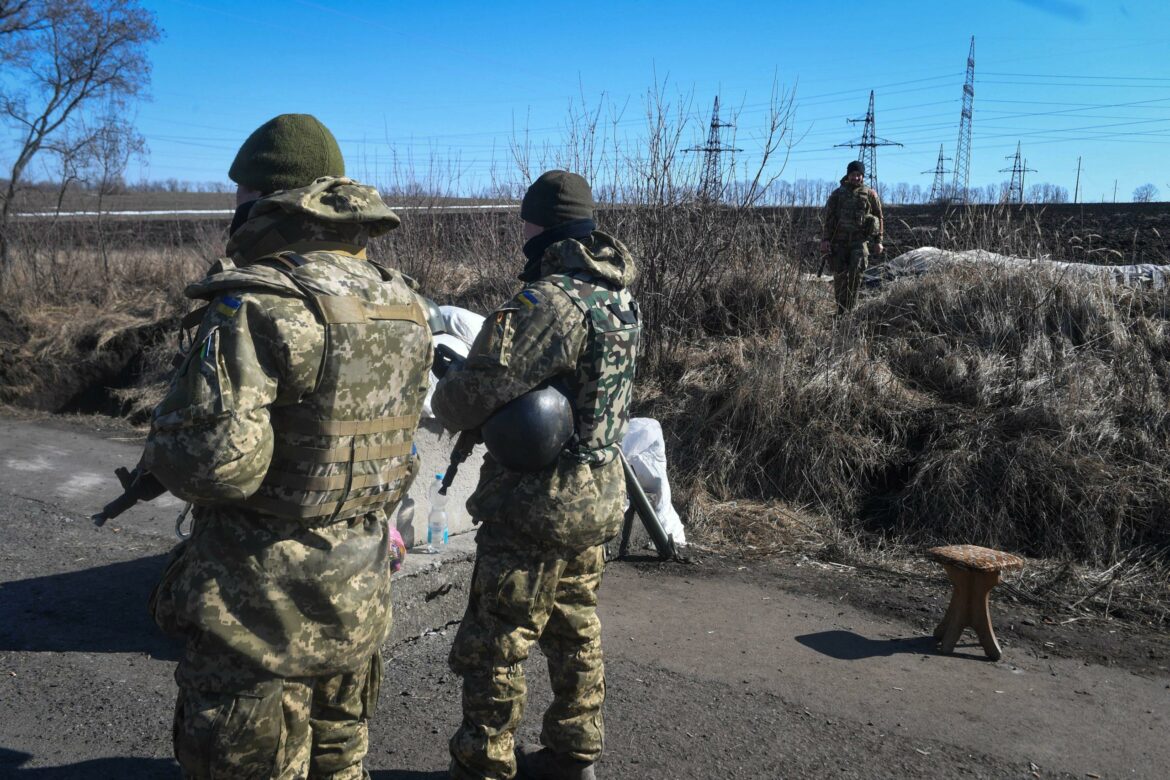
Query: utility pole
[(1077, 186), (711, 185), (963, 148), (1115, 190), (1016, 187), (936, 189), (869, 143)]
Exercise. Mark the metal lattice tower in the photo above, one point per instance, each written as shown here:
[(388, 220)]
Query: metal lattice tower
[(937, 191), (869, 143), (1019, 167), (711, 184), (963, 148)]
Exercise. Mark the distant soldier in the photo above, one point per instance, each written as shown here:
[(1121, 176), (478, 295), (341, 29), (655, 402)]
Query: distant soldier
[(288, 425), (852, 221), (540, 558)]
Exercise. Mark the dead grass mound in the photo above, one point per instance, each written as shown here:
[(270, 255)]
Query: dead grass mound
[(985, 406)]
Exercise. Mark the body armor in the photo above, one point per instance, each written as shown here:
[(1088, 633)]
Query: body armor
[(345, 448), (604, 376)]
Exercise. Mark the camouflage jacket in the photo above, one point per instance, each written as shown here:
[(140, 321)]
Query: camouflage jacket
[(844, 218), (288, 425), (546, 332)]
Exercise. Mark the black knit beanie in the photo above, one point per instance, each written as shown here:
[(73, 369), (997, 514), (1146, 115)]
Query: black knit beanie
[(856, 165), (287, 152), (555, 198)]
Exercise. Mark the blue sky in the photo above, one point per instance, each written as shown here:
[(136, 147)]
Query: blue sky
[(456, 81)]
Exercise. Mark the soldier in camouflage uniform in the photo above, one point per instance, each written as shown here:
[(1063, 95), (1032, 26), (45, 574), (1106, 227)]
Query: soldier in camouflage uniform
[(852, 221), (540, 559), (288, 426)]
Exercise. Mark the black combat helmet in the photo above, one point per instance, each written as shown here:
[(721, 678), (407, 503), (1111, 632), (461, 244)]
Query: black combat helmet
[(529, 432)]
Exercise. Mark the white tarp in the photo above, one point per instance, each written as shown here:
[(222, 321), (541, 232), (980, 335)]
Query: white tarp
[(645, 449), (926, 259)]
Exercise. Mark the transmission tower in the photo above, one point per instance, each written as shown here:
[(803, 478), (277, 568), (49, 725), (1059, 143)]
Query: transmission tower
[(869, 143), (1019, 168), (711, 185), (936, 190), (963, 148)]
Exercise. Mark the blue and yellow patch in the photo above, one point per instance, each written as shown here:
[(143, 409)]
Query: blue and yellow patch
[(227, 306), (529, 299)]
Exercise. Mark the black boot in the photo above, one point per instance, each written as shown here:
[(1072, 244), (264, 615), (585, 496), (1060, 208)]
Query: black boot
[(543, 764)]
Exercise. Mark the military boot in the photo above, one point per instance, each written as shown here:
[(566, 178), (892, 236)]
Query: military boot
[(544, 764)]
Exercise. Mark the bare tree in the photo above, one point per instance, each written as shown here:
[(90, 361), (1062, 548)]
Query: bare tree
[(1147, 193), (60, 58)]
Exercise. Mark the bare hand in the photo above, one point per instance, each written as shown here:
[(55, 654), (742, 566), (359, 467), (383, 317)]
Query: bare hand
[(879, 248)]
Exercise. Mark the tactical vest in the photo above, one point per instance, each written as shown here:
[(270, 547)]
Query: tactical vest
[(605, 374), (851, 222), (345, 448)]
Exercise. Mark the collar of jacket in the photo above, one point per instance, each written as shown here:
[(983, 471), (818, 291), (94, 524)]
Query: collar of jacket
[(535, 247), (278, 231)]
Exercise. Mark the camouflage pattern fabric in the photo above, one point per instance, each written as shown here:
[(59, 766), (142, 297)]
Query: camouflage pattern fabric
[(852, 213), (852, 219), (539, 334), (847, 262), (288, 425), (330, 211), (539, 558), (605, 375), (519, 597), (266, 727)]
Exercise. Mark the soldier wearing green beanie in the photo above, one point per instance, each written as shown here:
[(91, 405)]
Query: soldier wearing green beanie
[(539, 555), (851, 222), (288, 427)]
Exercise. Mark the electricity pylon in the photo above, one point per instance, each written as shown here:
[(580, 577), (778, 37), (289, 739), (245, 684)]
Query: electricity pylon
[(963, 148), (869, 143), (711, 184)]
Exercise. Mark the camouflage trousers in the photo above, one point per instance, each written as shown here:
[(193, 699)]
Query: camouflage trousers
[(232, 723), (847, 261), (518, 598)]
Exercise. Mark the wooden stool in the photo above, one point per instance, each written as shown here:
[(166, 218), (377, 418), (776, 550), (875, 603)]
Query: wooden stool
[(973, 571)]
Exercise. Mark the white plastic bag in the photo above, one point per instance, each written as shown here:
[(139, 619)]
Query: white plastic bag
[(645, 449)]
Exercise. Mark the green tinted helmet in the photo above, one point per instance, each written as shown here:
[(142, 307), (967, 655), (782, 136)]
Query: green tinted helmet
[(434, 316), (529, 432)]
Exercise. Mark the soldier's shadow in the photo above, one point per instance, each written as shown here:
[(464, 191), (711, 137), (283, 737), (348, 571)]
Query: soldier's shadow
[(94, 769), (97, 610)]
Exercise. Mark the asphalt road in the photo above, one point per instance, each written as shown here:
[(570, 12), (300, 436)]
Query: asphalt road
[(713, 670)]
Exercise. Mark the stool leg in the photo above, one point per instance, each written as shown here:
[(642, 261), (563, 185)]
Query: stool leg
[(982, 583), (952, 612), (960, 617)]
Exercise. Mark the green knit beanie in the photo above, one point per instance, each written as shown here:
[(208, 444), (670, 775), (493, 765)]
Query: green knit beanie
[(287, 152), (555, 198)]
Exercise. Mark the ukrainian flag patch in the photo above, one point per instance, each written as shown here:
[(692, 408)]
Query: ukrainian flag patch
[(528, 298), (228, 306)]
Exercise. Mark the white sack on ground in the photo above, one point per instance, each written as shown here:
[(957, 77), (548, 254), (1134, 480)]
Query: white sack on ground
[(926, 259), (462, 327), (645, 449)]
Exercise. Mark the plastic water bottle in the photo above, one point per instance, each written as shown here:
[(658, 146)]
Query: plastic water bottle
[(437, 520)]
